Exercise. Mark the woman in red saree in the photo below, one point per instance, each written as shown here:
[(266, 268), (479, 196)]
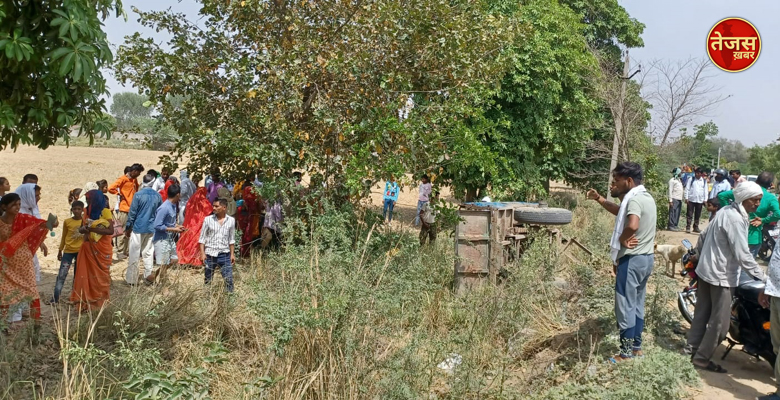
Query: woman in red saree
[(92, 279), (20, 237), (198, 208), (250, 223)]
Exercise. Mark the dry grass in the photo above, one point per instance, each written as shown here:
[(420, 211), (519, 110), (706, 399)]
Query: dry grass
[(355, 312)]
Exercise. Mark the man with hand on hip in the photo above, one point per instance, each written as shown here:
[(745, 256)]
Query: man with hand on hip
[(632, 251)]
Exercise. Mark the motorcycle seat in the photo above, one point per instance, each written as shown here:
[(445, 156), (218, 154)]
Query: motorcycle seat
[(750, 290)]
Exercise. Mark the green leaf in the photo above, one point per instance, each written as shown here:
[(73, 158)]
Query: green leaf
[(64, 29), (77, 68), (56, 54), (61, 13), (67, 64), (73, 32), (58, 21), (87, 67)]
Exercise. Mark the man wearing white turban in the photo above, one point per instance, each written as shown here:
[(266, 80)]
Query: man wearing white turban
[(724, 251)]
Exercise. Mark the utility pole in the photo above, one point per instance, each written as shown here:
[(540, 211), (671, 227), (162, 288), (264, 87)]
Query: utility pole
[(719, 149), (618, 117)]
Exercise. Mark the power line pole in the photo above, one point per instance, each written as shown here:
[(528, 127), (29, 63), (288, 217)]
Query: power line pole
[(618, 124), (719, 149)]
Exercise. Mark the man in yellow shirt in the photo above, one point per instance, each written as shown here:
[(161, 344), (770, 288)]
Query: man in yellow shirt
[(70, 244)]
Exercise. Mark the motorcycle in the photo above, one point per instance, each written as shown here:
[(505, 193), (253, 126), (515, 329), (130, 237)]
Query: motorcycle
[(769, 236), (686, 299), (749, 324)]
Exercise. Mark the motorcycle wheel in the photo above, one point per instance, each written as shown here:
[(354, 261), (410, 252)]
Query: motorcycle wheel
[(686, 302), (765, 253)]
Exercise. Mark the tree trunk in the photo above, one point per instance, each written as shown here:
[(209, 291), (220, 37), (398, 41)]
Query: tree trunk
[(618, 126), (471, 194)]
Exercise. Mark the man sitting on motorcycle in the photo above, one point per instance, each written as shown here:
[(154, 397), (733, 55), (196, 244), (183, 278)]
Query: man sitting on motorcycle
[(724, 251)]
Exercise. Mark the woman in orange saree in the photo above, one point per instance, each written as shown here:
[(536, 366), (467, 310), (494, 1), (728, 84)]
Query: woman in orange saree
[(20, 237), (92, 279), (198, 208)]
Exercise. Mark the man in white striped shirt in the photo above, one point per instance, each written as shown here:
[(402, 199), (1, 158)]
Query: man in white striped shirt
[(217, 243), (695, 196)]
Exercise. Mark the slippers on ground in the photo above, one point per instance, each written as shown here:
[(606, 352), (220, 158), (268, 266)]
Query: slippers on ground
[(618, 359), (712, 367)]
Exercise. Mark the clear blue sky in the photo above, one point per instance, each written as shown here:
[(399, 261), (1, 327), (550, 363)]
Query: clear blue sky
[(674, 29)]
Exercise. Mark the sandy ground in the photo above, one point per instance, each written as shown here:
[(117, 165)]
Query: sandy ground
[(61, 169)]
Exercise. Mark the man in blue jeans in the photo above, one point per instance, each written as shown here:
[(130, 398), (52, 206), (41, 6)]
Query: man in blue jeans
[(217, 244), (632, 247), (390, 197)]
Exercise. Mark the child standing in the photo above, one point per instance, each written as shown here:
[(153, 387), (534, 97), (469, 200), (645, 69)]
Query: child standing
[(390, 197), (428, 218), (217, 243), (70, 244), (425, 193)]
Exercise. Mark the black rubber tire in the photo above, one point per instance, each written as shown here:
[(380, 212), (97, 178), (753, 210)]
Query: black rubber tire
[(683, 307), (543, 216)]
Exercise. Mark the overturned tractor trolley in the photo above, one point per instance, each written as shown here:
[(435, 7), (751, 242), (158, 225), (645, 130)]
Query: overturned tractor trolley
[(491, 234)]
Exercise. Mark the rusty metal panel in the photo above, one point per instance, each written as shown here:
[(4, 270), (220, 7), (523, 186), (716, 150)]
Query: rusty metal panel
[(473, 256), (474, 224)]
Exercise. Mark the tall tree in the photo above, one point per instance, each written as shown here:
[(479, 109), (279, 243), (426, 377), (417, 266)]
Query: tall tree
[(608, 27), (681, 92), (127, 106), (540, 124), (286, 85), (702, 150), (50, 80)]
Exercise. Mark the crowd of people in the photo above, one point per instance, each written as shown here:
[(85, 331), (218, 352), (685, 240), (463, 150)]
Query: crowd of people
[(698, 189), (725, 256), (157, 220)]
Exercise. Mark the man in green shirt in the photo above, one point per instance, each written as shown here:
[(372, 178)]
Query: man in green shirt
[(768, 211)]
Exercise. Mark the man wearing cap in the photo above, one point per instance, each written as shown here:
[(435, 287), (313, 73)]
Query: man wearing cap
[(721, 185), (723, 253), (675, 200)]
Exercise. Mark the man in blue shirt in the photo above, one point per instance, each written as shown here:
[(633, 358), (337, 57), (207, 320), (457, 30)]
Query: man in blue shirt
[(165, 229), (390, 197), (140, 229)]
